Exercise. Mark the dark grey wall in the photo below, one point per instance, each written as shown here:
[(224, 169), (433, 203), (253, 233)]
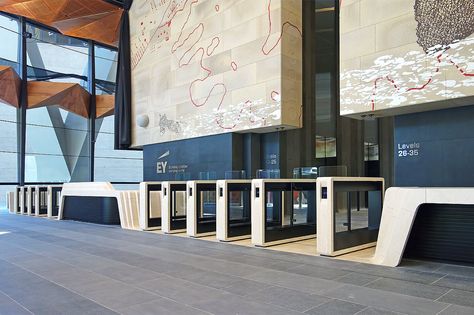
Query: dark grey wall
[(191, 156), (439, 148)]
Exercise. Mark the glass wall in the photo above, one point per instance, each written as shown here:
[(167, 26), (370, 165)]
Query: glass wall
[(9, 29), (109, 164), (57, 140), (64, 157), (325, 57)]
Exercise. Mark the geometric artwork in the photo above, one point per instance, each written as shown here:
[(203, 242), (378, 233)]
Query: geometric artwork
[(205, 67), (405, 56)]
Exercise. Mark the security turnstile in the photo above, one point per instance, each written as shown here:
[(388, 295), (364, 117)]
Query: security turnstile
[(150, 206), (30, 204), (283, 210), (54, 200), (201, 208), (173, 213), (349, 213), (233, 209), (40, 201), (18, 203), (24, 200)]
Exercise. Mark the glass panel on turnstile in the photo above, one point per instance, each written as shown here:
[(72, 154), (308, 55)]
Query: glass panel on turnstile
[(239, 215)]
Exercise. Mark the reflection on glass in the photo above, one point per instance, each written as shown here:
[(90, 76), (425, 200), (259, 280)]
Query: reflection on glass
[(285, 208), (178, 205), (155, 204), (239, 205), (208, 205)]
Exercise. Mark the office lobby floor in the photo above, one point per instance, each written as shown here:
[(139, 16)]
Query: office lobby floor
[(61, 267)]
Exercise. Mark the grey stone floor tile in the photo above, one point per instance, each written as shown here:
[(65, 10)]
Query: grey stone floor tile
[(287, 298), (336, 307), (386, 300), (118, 296), (79, 307), (11, 307), (375, 311), (245, 287), (458, 310), (420, 265), (296, 282), (233, 304), (72, 260), (457, 270), (399, 273), (318, 272), (357, 278), (160, 306), (408, 288), (203, 277), (459, 297), (128, 274), (180, 290), (457, 282)]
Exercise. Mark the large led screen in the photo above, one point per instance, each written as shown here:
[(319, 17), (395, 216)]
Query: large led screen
[(399, 56), (203, 67)]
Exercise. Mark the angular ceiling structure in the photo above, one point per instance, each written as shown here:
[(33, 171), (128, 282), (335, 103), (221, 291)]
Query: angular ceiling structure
[(69, 96), (92, 19), (9, 86)]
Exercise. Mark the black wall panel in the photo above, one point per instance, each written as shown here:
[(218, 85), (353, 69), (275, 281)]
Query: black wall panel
[(435, 149), (443, 232)]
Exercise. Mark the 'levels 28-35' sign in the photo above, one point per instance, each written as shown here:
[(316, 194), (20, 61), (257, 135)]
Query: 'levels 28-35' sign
[(406, 150)]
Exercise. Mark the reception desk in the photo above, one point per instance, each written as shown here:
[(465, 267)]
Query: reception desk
[(99, 203), (400, 209)]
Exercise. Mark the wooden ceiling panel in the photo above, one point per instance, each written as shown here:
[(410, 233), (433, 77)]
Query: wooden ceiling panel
[(9, 86), (104, 105), (91, 19), (69, 96)]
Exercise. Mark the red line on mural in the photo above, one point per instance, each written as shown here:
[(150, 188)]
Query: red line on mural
[(214, 43), (421, 87), (233, 65), (287, 23)]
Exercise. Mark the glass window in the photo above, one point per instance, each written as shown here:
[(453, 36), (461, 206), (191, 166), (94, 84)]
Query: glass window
[(325, 61), (57, 137), (109, 164), (9, 38), (9, 29)]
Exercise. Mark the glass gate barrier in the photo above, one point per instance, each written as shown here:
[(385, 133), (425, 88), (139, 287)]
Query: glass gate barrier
[(201, 208), (349, 213), (283, 211), (174, 207), (233, 209), (150, 206)]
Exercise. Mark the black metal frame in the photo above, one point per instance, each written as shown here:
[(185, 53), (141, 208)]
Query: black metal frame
[(56, 194), (176, 222), (152, 222), (240, 227), (205, 225), (279, 232), (351, 237)]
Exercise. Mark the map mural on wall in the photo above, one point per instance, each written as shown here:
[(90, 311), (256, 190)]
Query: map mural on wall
[(203, 67), (399, 54)]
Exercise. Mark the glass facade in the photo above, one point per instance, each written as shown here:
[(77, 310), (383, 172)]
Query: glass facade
[(57, 140)]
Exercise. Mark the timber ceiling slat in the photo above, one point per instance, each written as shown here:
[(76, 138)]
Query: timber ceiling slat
[(92, 19)]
